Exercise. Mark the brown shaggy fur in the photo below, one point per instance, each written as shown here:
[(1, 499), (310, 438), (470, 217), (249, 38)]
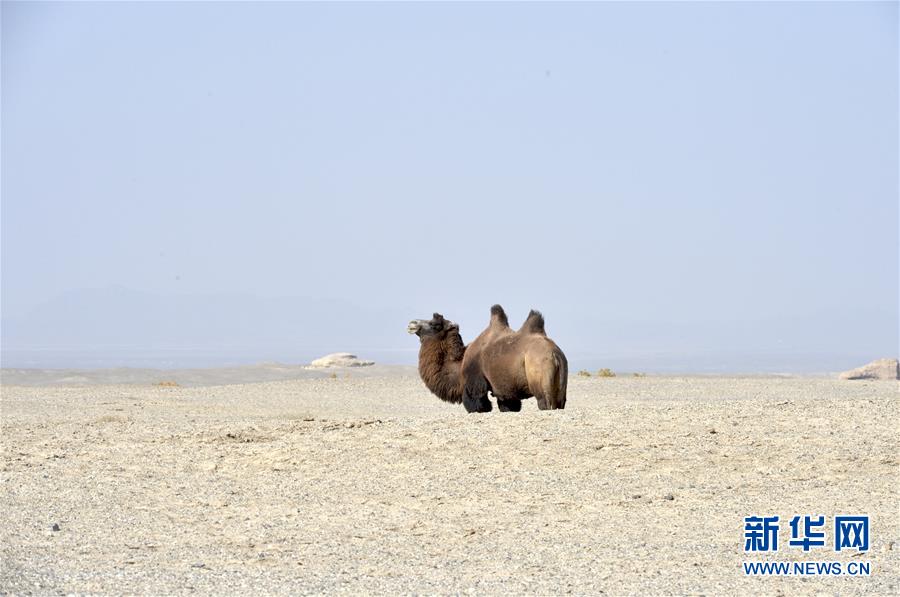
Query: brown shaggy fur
[(512, 365), (534, 324), (440, 361)]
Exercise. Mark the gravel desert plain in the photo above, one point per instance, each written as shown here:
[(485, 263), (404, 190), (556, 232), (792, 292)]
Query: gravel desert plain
[(365, 483)]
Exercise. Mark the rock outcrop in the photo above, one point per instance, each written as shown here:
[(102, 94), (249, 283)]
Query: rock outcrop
[(880, 369), (340, 359)]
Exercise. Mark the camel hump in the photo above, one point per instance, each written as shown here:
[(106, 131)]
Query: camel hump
[(534, 324), (498, 315)]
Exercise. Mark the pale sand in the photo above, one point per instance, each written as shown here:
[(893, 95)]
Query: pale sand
[(372, 485)]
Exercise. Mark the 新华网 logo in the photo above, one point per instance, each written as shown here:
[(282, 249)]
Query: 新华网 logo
[(807, 532)]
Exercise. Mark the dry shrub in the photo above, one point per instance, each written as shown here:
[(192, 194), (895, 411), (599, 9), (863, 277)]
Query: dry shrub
[(584, 373), (605, 372), (168, 384)]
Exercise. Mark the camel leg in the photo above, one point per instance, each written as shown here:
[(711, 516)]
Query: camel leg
[(543, 404), (513, 405), (477, 404), (475, 394)]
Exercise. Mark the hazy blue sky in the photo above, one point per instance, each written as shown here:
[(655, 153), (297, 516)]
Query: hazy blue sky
[(676, 180)]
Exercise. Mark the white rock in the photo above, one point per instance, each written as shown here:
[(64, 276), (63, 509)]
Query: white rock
[(880, 369), (340, 359)]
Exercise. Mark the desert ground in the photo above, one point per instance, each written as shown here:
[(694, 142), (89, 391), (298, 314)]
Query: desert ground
[(367, 484)]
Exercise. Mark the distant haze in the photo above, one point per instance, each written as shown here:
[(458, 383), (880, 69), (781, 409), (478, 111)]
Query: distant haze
[(677, 186)]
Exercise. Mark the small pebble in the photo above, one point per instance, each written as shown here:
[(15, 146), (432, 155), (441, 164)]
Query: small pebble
[(669, 497), (55, 527)]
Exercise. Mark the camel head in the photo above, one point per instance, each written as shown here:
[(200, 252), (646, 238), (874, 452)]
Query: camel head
[(437, 327)]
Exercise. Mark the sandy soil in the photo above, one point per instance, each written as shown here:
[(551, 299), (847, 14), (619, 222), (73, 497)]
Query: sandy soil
[(368, 484), (192, 377)]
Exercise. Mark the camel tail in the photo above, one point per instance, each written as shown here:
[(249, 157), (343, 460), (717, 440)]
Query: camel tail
[(560, 378), (556, 380)]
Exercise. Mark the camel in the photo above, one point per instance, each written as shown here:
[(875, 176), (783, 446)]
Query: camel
[(511, 365)]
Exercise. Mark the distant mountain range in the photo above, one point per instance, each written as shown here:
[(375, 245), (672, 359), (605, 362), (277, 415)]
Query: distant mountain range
[(120, 317), (116, 326)]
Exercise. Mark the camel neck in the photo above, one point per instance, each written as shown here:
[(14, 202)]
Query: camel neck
[(440, 364)]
